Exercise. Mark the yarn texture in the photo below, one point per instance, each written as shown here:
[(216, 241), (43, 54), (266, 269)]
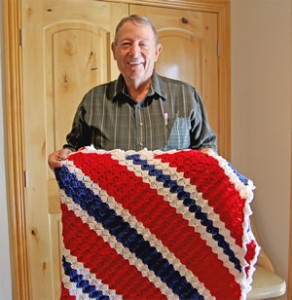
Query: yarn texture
[(155, 225)]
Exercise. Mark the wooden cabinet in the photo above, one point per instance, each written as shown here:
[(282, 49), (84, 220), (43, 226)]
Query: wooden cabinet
[(65, 51)]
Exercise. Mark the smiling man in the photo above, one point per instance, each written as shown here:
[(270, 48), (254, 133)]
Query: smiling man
[(136, 49), (140, 109)]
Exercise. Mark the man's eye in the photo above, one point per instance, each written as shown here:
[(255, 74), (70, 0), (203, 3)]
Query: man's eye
[(144, 45), (126, 44)]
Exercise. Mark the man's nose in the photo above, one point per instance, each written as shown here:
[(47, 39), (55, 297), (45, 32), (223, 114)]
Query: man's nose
[(135, 49)]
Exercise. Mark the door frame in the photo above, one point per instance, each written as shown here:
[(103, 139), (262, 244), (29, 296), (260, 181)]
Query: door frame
[(13, 106)]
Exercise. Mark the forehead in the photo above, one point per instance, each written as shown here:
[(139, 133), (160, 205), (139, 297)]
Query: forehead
[(133, 31)]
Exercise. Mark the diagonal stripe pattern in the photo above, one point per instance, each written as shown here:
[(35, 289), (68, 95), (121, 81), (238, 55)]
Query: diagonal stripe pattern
[(155, 225)]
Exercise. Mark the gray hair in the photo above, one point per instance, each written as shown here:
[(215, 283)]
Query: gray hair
[(139, 20)]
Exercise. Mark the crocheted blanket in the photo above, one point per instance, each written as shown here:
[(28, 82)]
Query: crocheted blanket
[(155, 225)]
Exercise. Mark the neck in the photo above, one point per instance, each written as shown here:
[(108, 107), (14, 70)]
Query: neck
[(138, 91)]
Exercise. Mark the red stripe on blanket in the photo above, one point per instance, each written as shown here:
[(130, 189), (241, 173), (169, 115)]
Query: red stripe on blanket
[(103, 261), (250, 254), (162, 220), (65, 294), (216, 189)]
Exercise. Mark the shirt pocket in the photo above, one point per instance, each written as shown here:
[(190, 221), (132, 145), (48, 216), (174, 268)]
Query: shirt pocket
[(179, 136)]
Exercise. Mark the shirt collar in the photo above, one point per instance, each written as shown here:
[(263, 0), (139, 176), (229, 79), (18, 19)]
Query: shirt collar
[(157, 90), (158, 87)]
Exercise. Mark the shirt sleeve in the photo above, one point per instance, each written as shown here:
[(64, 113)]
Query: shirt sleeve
[(202, 135), (80, 134)]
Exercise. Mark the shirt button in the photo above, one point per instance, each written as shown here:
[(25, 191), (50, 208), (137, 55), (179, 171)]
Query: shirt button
[(141, 144), (141, 124)]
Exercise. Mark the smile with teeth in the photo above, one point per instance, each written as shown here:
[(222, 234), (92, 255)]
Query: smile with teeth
[(135, 63)]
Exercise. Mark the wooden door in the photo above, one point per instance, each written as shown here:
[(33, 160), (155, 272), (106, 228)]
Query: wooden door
[(66, 51), (189, 39), (27, 114)]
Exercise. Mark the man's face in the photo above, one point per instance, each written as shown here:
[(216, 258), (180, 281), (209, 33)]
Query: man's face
[(136, 52)]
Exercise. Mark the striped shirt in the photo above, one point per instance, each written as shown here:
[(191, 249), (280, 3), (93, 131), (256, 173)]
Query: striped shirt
[(170, 117)]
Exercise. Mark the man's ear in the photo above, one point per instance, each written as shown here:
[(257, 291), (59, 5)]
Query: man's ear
[(113, 47), (158, 51)]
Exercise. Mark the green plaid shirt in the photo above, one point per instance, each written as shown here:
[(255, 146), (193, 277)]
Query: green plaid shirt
[(171, 116)]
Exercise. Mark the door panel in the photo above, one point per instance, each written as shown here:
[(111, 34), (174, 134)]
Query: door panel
[(189, 40), (78, 56), (70, 54)]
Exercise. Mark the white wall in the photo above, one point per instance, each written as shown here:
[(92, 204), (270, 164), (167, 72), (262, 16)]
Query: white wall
[(261, 50), (5, 273)]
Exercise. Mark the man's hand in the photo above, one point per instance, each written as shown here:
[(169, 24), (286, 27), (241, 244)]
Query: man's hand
[(56, 157), (207, 150)]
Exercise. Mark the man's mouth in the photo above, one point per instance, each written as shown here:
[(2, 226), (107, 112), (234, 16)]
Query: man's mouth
[(135, 63)]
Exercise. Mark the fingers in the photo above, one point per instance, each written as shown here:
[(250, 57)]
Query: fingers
[(63, 154), (207, 151), (55, 158)]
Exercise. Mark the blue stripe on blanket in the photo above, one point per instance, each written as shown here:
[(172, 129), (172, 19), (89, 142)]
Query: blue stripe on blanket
[(190, 203), (125, 234)]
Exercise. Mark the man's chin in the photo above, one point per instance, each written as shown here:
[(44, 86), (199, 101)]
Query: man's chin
[(135, 75)]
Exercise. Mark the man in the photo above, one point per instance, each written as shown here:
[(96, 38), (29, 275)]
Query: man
[(140, 109)]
